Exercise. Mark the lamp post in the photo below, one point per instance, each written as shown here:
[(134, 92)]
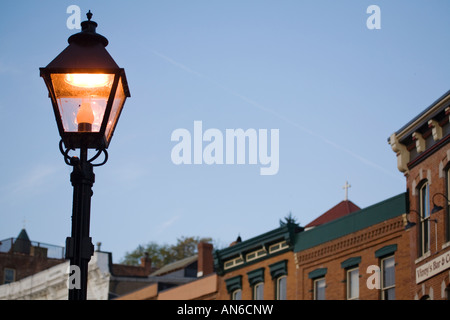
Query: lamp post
[(88, 91)]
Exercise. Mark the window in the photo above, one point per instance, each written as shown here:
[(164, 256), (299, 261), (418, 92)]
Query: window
[(388, 278), (351, 266), (256, 282), (318, 277), (281, 288), (353, 284), (236, 295), (424, 206), (258, 291), (278, 271), (278, 247), (232, 263), (447, 231), (319, 289), (234, 287), (10, 275), (256, 254)]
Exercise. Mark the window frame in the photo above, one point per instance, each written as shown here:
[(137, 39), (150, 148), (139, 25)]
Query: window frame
[(235, 293), (233, 263), (278, 246), (349, 282), (384, 289), (447, 207), (255, 291), (278, 288), (5, 271), (424, 218), (255, 254), (315, 288)]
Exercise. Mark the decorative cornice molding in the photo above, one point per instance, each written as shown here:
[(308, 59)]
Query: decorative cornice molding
[(350, 241)]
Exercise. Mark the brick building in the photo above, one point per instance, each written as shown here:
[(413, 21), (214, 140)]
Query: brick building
[(20, 257), (361, 255), (423, 156), (260, 268)]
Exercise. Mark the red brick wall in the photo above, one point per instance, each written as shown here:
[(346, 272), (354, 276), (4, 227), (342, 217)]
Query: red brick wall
[(362, 243), (24, 264), (431, 168), (269, 284)]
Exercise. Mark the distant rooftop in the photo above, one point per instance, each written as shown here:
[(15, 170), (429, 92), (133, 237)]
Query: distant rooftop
[(177, 265), (22, 244), (341, 209)]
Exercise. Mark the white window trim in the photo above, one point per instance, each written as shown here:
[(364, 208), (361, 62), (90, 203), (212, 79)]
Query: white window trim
[(255, 287), (349, 284), (257, 254), (278, 286), (315, 286), (282, 245), (233, 295), (233, 263), (424, 220), (383, 288)]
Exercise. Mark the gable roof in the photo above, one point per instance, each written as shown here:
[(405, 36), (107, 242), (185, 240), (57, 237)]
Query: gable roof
[(341, 209), (171, 267)]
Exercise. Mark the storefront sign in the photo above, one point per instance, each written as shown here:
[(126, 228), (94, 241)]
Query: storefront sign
[(433, 267)]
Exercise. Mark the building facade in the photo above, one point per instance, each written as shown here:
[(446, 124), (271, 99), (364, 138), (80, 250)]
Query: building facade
[(423, 156), (192, 278), (20, 257), (362, 255), (260, 268)]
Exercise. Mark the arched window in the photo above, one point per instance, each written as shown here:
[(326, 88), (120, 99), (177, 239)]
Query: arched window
[(447, 216), (281, 288), (236, 295), (258, 291)]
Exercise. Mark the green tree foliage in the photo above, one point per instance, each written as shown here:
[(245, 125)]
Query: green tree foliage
[(164, 254), (289, 219)]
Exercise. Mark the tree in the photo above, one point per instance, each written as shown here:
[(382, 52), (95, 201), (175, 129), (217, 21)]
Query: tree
[(164, 254), (289, 219)]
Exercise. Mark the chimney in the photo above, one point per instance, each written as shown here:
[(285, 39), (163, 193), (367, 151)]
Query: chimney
[(146, 263), (205, 264)]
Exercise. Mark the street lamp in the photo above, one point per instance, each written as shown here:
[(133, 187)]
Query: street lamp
[(437, 208), (88, 91), (411, 224)]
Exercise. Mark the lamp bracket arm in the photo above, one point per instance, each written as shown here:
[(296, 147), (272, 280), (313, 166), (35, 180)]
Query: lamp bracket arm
[(72, 161)]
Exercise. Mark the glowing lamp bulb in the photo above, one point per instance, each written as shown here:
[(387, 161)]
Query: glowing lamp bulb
[(88, 80), (85, 117)]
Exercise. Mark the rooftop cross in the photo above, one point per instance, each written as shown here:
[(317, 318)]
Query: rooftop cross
[(346, 186)]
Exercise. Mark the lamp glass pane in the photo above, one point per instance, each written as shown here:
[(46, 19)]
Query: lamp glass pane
[(117, 106), (82, 98)]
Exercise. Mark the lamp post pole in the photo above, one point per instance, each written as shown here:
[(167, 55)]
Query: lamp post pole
[(79, 247)]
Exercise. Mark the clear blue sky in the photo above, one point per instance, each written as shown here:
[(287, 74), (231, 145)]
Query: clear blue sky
[(312, 69)]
